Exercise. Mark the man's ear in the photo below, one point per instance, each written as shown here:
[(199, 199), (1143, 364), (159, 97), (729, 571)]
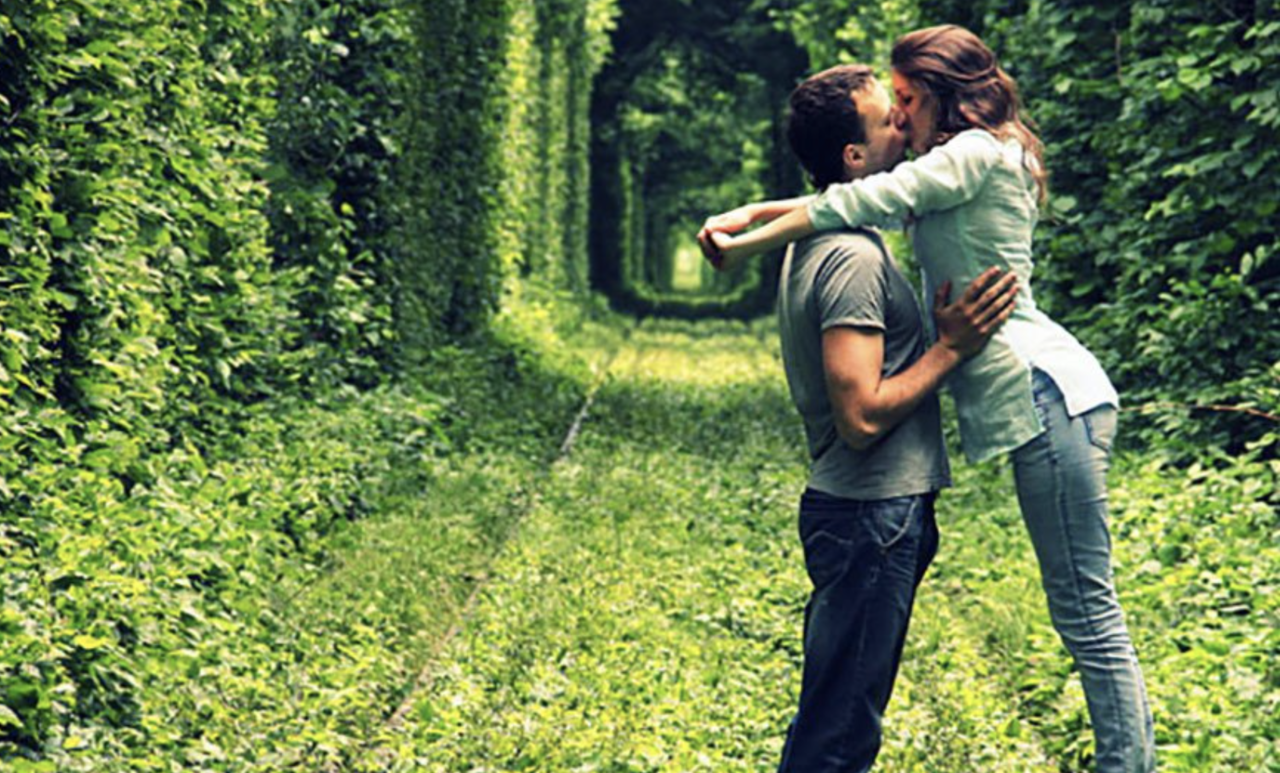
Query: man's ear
[(855, 159)]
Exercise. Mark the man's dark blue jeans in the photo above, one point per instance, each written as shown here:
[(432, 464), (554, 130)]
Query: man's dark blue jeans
[(865, 560)]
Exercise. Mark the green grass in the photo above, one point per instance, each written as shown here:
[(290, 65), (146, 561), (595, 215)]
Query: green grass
[(260, 602), (635, 606), (646, 616), (639, 591)]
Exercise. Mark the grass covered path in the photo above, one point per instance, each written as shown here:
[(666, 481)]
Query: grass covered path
[(632, 607), (645, 614)]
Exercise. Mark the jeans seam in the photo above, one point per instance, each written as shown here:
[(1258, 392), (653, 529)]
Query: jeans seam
[(902, 532), (1060, 500), (859, 677)]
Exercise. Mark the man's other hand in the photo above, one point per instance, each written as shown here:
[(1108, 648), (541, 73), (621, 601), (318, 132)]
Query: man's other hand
[(966, 325)]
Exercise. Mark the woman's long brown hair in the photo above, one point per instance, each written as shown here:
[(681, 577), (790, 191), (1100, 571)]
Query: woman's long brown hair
[(969, 88)]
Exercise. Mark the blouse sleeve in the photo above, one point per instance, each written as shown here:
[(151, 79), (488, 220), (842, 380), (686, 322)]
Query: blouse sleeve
[(945, 177)]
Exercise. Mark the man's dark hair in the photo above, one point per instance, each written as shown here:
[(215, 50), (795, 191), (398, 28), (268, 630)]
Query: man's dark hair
[(824, 118)]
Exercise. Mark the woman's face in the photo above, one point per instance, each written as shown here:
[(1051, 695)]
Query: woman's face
[(916, 107)]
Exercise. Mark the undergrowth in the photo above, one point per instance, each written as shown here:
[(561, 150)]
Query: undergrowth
[(267, 602), (260, 601), (647, 616)]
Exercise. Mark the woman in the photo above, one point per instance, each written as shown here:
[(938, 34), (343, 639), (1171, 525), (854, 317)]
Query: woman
[(1034, 392)]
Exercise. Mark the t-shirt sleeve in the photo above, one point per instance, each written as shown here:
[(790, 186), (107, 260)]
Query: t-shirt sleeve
[(945, 177), (851, 287)]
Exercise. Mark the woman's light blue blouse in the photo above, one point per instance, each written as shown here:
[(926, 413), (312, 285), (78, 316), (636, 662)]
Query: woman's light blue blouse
[(973, 205)]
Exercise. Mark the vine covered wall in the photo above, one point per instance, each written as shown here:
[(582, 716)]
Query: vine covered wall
[(212, 216), (498, 143)]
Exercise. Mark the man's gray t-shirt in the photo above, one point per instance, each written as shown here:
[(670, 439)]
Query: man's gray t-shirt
[(847, 278)]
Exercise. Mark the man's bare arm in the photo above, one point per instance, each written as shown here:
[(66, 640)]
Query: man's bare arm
[(866, 405)]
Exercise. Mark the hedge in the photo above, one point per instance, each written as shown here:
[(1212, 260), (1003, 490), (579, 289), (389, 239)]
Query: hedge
[(216, 221)]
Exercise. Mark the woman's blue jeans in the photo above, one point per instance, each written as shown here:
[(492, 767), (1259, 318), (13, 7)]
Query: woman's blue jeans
[(865, 560), (1062, 490)]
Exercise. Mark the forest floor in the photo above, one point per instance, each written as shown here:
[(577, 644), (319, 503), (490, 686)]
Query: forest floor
[(644, 612), (426, 577)]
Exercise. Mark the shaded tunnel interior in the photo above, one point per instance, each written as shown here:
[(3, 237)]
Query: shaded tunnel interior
[(687, 120)]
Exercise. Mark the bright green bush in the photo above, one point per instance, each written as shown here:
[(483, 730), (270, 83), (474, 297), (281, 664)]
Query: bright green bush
[(1200, 567), (136, 267), (206, 618), (336, 142), (135, 251), (217, 221), (123, 608), (499, 142)]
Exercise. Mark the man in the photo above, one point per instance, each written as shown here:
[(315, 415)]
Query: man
[(864, 380)]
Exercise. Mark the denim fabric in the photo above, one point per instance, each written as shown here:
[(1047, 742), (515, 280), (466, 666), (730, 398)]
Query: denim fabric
[(865, 560), (1062, 490)]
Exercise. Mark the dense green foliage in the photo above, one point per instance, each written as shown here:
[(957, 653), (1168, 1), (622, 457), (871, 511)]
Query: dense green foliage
[(140, 305), (295, 309), (215, 220), (500, 142), (219, 617), (136, 271), (335, 140)]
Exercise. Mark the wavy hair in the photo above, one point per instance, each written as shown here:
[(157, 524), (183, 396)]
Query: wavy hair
[(969, 88), (823, 118)]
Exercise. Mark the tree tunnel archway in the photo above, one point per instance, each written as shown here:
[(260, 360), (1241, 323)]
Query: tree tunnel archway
[(687, 120)]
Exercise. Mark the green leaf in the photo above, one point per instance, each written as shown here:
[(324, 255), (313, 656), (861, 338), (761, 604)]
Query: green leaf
[(8, 718), (73, 742), (1013, 728), (58, 226), (88, 642)]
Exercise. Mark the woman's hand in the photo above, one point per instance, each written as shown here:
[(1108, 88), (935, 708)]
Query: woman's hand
[(729, 222), (724, 250), (725, 223), (720, 249)]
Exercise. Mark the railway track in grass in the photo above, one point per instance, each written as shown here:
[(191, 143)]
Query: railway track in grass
[(646, 616)]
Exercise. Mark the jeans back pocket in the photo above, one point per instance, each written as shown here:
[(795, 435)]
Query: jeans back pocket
[(1100, 426)]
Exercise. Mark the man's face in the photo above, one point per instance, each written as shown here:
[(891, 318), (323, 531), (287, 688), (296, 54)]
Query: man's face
[(917, 108), (886, 140)]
